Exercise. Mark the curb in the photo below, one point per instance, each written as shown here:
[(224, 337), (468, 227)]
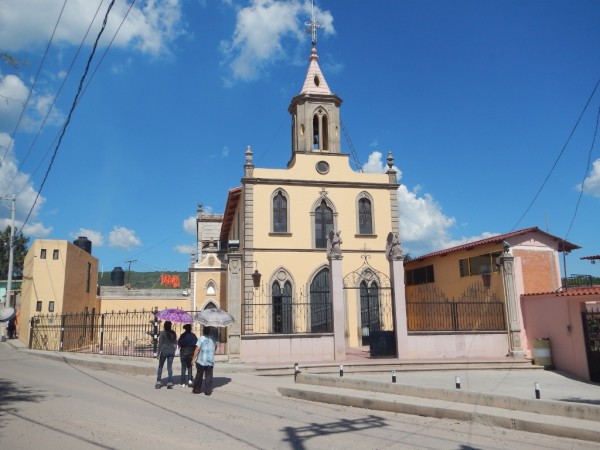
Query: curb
[(515, 420), (546, 407)]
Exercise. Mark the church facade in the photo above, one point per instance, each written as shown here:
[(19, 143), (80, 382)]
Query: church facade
[(302, 256)]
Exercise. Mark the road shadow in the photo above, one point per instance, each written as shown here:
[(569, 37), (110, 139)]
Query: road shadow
[(217, 381), (297, 436), (580, 400), (11, 394)]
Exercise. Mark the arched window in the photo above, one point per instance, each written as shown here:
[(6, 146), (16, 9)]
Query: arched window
[(316, 132), (280, 213), (323, 224), (282, 307), (320, 303), (210, 288), (369, 310), (365, 216), (324, 133)]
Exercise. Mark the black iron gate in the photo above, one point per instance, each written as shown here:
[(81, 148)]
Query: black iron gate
[(373, 290), (591, 330)]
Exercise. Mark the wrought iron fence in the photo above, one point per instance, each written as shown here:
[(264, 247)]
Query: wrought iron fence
[(287, 318), (578, 281), (130, 333), (455, 316)]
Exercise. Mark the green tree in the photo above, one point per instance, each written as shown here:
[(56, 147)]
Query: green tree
[(19, 251)]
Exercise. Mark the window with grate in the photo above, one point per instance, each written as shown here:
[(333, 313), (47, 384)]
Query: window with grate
[(365, 219), (282, 307), (280, 213), (320, 303), (323, 224)]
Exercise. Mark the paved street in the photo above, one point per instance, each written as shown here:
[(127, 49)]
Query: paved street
[(52, 404)]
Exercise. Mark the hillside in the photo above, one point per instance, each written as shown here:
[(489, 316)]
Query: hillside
[(146, 280)]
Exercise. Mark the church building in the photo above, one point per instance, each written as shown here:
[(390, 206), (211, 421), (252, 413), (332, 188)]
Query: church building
[(303, 255)]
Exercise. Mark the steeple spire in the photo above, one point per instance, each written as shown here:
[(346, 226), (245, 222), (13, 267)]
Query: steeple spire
[(312, 26)]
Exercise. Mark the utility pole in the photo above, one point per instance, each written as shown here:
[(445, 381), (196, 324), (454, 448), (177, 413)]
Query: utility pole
[(10, 251), (129, 269)]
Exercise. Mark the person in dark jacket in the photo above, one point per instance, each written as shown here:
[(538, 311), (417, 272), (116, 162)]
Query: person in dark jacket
[(187, 344)]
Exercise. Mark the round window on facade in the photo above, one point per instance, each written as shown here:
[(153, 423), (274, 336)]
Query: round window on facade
[(322, 167), (317, 81)]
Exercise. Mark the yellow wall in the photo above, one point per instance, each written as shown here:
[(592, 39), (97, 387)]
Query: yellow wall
[(122, 304), (62, 281), (295, 251), (447, 273)]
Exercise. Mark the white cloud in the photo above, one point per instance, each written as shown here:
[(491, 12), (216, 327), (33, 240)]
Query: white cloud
[(423, 225), (185, 249), (591, 184), (123, 238), (35, 229), (40, 108), (18, 183), (189, 225), (225, 152), (96, 237), (150, 26), (259, 31)]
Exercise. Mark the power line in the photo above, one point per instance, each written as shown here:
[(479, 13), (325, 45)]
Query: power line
[(587, 169), (558, 157), (43, 123), (355, 159), (75, 100), (12, 136)]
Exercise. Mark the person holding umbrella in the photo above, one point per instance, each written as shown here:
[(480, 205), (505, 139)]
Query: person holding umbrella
[(204, 356), (167, 343)]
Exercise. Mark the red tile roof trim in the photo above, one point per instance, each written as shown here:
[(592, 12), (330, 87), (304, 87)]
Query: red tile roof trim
[(563, 245), (571, 292)]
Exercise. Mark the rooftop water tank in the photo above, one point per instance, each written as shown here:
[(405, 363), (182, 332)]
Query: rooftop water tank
[(83, 243), (117, 277)]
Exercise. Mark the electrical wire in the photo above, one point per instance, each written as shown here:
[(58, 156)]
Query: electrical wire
[(587, 169), (93, 73), (45, 119), (12, 136), (68, 120), (558, 157)]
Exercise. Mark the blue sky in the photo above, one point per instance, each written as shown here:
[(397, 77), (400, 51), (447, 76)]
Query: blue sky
[(475, 100)]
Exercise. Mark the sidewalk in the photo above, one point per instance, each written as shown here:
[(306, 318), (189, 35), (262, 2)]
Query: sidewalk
[(568, 407)]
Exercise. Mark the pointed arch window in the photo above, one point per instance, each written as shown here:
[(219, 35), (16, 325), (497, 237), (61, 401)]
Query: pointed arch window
[(210, 288), (369, 310), (320, 126), (323, 224), (280, 213), (316, 132), (365, 216), (320, 303), (282, 307), (324, 133)]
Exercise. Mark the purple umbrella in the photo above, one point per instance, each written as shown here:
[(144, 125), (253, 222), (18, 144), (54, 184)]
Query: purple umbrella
[(175, 315)]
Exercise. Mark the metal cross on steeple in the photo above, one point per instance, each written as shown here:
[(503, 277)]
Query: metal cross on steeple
[(312, 26)]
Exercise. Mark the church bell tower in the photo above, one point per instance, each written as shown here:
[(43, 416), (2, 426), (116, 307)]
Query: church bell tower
[(316, 110)]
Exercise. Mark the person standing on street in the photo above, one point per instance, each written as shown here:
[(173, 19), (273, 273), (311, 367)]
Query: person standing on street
[(204, 356), (167, 343), (187, 344)]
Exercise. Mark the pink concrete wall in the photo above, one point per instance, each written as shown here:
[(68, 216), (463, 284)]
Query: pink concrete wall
[(492, 345), (291, 349), (549, 316)]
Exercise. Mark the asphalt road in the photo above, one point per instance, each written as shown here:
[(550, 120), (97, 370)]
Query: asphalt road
[(53, 405)]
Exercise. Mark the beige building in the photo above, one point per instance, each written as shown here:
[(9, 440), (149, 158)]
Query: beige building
[(268, 258), (58, 277)]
